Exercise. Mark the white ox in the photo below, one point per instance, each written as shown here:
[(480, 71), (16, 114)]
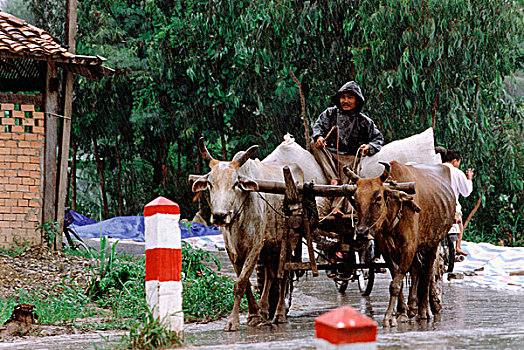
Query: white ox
[(252, 221)]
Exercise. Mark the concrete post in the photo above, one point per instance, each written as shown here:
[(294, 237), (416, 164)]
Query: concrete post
[(345, 328), (164, 263)]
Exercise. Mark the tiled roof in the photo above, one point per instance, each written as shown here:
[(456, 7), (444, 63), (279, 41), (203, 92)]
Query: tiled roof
[(19, 37)]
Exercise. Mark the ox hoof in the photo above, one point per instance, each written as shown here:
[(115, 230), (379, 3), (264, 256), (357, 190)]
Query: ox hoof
[(424, 315), (254, 320), (279, 319), (402, 318), (412, 312), (389, 321), (232, 326)]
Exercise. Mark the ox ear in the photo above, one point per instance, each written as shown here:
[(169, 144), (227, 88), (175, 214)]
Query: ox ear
[(200, 184), (247, 184), (385, 174), (241, 158), (349, 173)]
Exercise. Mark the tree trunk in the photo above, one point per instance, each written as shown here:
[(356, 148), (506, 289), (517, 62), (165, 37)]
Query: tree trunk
[(72, 177), (119, 178), (102, 180)]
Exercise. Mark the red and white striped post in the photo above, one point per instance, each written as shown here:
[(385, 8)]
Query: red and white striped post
[(345, 328), (164, 263)]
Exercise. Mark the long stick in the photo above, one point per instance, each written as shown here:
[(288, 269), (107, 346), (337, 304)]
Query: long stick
[(472, 213), (303, 104)]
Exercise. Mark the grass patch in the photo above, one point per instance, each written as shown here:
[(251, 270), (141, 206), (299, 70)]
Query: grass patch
[(114, 298)]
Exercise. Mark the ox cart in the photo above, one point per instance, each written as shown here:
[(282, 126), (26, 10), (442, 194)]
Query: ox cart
[(331, 241)]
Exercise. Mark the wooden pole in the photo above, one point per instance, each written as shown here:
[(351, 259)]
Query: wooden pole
[(49, 171), (71, 18)]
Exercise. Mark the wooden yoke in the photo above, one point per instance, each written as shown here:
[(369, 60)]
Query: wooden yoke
[(296, 217)]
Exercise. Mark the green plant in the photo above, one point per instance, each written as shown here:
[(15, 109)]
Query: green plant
[(102, 263), (49, 230), (150, 333), (194, 259), (15, 249)]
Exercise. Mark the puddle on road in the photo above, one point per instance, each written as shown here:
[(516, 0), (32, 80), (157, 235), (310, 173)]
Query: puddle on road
[(472, 318)]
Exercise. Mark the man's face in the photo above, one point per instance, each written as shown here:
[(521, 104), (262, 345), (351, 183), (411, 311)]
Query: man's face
[(348, 101), (456, 163)]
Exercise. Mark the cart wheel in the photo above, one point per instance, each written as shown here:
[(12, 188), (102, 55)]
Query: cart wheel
[(366, 276)]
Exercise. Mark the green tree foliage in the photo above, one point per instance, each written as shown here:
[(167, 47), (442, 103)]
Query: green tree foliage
[(221, 70), (443, 63)]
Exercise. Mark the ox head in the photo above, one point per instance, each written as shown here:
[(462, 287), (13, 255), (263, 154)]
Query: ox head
[(228, 189), (371, 200)]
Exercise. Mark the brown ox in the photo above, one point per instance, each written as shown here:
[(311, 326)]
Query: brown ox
[(250, 223), (402, 228)]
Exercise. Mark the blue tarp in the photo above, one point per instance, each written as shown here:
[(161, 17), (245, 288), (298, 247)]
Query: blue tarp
[(130, 227)]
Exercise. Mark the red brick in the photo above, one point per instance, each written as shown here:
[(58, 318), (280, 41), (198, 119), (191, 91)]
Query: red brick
[(38, 115), (23, 188), (10, 202), (15, 180), (28, 121), (34, 204), (16, 166), (16, 195), (23, 203), (23, 173), (27, 108), (17, 128), (9, 217), (10, 173), (7, 121), (7, 106), (34, 160), (18, 114), (19, 210), (23, 159), (38, 129), (10, 188)]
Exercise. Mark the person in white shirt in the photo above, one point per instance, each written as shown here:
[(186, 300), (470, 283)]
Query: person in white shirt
[(461, 184)]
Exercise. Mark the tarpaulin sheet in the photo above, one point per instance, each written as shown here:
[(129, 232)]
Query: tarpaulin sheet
[(492, 266), (130, 227)]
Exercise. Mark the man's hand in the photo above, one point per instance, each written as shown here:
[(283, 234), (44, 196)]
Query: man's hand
[(469, 174), (364, 149), (321, 142)]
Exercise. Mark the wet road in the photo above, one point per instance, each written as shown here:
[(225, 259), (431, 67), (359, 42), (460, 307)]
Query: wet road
[(472, 318)]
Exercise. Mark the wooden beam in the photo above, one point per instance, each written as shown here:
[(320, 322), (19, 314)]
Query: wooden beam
[(68, 112), (319, 190), (19, 99), (49, 174)]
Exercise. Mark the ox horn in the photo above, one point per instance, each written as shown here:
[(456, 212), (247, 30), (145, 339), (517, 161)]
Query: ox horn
[(352, 176), (203, 151), (241, 158), (385, 174)]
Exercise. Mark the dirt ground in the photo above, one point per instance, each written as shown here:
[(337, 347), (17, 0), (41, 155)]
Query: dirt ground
[(43, 271)]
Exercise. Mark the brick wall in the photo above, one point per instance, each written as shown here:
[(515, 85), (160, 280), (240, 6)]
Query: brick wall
[(21, 164)]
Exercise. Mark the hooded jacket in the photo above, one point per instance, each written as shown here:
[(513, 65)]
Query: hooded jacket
[(354, 128)]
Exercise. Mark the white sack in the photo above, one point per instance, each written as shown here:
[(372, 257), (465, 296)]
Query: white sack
[(290, 151), (419, 148)]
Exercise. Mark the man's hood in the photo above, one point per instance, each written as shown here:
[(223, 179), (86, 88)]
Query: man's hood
[(351, 87)]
